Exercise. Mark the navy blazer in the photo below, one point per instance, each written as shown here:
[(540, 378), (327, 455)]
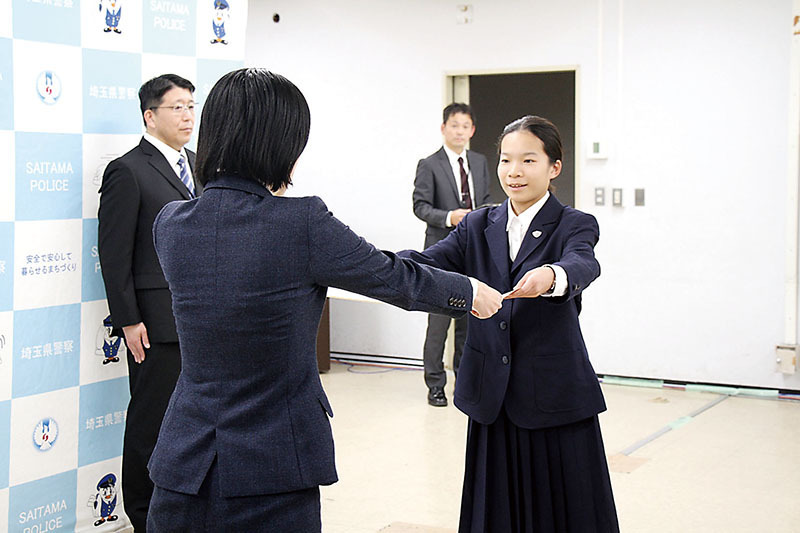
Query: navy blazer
[(530, 356), (248, 273)]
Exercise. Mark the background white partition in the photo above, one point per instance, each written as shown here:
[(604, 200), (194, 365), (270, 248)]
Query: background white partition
[(692, 98), (68, 106)]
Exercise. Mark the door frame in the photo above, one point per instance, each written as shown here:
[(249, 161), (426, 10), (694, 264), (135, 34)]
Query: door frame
[(455, 87)]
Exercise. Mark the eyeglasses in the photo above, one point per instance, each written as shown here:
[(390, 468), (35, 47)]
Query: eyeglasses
[(178, 109)]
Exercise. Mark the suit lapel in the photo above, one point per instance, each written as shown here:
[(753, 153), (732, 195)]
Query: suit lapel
[(477, 181), (159, 162), (497, 240), (447, 172), (539, 231)]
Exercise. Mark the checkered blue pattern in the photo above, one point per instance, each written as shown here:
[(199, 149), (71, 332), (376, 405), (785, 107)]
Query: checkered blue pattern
[(70, 71)]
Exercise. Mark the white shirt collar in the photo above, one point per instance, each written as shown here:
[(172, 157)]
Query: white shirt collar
[(453, 157), (527, 216), (170, 154)]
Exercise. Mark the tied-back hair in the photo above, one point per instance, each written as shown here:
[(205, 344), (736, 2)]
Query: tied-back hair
[(542, 128), (152, 92), (254, 125)]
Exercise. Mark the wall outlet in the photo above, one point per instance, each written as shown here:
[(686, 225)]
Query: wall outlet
[(599, 196), (786, 358)]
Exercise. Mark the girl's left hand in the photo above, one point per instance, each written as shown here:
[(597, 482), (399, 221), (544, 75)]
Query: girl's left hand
[(534, 283)]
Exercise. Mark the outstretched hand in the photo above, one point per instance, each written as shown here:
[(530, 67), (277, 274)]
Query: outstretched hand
[(487, 301), (534, 283)]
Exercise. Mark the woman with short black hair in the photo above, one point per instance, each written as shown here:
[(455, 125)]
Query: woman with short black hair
[(246, 440)]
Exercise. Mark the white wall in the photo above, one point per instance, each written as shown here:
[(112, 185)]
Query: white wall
[(692, 97)]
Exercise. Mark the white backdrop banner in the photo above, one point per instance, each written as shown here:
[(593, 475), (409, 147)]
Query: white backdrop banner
[(70, 71)]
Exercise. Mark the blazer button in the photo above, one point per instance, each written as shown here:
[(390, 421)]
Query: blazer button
[(503, 325), (450, 301), (505, 359)]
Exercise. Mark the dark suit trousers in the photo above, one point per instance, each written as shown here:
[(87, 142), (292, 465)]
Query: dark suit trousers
[(151, 385), (433, 350), (207, 511)]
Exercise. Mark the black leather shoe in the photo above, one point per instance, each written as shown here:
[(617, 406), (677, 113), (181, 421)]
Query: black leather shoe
[(436, 397)]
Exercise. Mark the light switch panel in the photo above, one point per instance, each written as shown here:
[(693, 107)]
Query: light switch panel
[(616, 197)]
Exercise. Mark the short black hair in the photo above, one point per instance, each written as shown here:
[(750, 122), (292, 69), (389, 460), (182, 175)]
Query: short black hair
[(152, 91), (456, 107), (255, 125)]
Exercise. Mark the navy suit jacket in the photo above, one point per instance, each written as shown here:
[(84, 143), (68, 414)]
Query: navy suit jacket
[(530, 357), (248, 273)]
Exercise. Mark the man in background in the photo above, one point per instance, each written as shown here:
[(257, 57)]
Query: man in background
[(449, 184), (135, 188)]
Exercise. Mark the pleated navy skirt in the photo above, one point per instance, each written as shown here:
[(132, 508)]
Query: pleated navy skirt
[(520, 480)]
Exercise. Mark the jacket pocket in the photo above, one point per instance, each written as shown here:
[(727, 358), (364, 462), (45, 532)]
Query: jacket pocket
[(470, 375)]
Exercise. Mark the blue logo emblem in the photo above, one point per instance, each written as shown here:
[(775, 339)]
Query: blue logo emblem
[(48, 85), (45, 434)]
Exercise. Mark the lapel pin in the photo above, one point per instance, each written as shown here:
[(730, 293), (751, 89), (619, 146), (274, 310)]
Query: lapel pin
[(536, 234)]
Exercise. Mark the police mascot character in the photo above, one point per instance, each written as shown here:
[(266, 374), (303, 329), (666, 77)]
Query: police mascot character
[(221, 15), (113, 14), (106, 345), (105, 500)]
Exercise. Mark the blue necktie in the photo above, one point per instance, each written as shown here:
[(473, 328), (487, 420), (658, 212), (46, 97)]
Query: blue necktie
[(185, 178)]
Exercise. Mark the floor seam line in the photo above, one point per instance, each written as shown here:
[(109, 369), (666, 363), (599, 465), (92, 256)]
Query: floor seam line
[(673, 425)]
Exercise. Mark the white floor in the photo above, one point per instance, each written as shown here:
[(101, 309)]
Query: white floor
[(733, 468)]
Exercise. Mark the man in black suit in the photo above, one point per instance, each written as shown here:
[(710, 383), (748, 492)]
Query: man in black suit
[(449, 184), (135, 188)]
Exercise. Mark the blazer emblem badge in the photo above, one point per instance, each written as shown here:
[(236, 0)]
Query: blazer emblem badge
[(536, 234)]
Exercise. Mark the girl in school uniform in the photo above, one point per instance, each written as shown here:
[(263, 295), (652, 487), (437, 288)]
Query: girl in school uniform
[(535, 460)]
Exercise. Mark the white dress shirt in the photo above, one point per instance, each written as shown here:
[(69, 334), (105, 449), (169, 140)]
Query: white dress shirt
[(517, 226), (453, 158), (171, 155)]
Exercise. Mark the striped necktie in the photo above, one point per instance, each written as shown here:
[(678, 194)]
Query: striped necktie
[(185, 178)]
